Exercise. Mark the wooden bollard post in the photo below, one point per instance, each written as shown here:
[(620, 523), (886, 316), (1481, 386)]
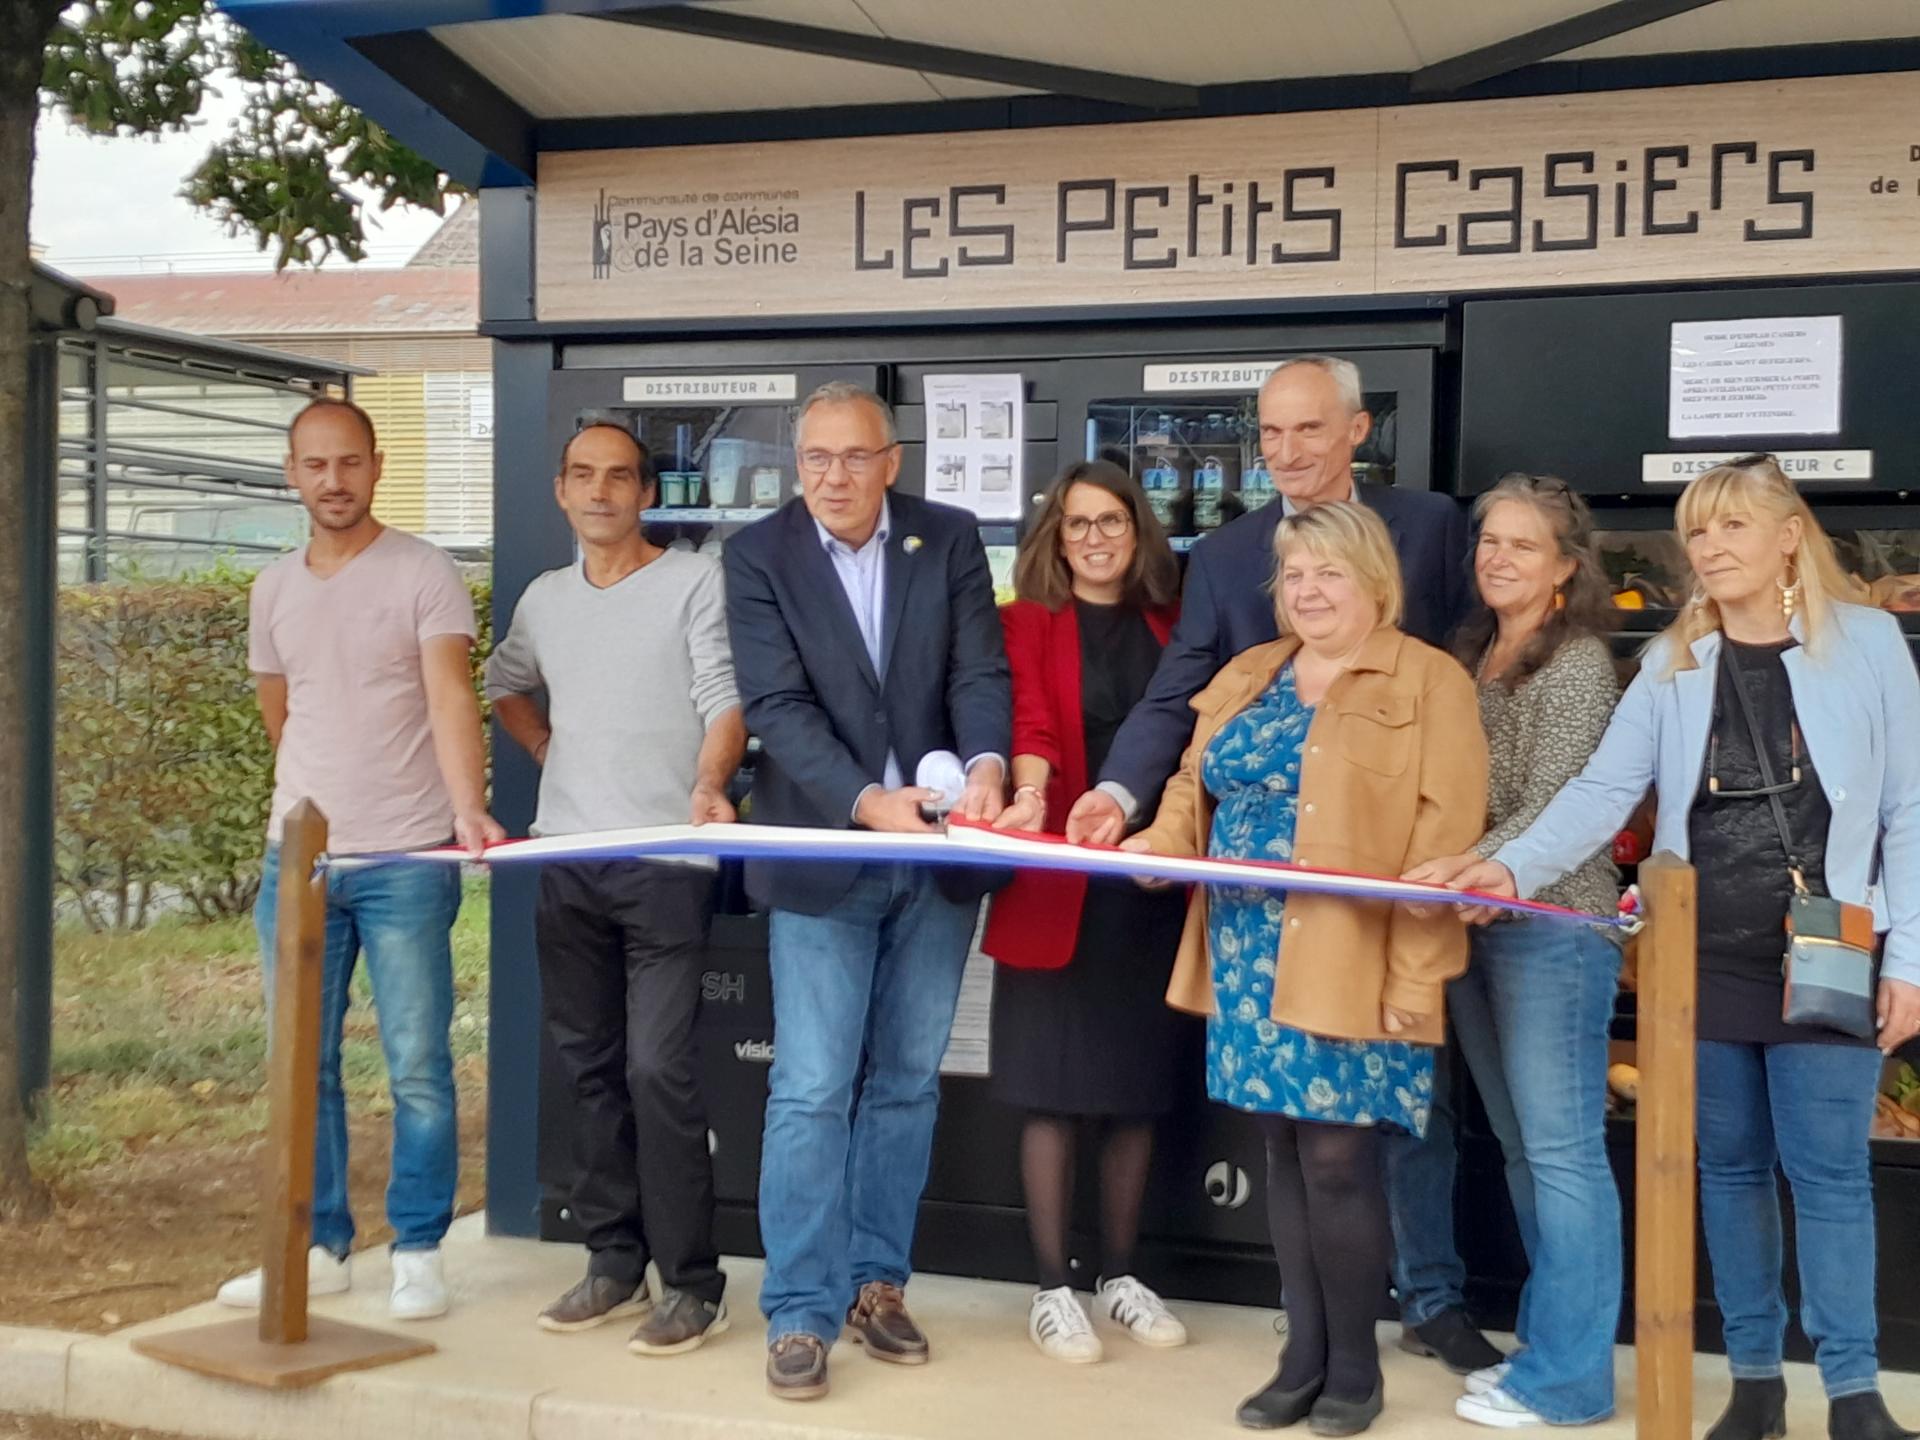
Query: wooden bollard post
[(1664, 1175), (293, 1074), (285, 1348)]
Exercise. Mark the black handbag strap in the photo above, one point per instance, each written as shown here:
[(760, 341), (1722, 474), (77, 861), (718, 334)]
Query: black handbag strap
[(1732, 674)]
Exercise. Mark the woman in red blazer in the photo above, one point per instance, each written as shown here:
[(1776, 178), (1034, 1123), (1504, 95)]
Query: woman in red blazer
[(1081, 1030)]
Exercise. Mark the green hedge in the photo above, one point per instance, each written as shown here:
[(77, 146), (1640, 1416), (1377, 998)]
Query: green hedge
[(164, 773)]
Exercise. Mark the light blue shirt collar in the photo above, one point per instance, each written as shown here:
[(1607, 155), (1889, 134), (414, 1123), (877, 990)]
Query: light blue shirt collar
[(830, 542)]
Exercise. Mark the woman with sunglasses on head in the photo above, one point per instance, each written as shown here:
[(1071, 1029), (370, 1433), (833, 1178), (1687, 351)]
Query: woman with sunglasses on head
[(1775, 721), (1082, 1038), (1533, 1011)]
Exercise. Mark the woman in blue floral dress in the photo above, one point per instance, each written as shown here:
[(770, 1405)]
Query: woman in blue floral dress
[(1251, 768), (1350, 746)]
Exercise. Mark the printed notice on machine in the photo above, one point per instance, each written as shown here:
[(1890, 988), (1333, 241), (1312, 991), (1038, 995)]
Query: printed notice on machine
[(1755, 377), (975, 426)]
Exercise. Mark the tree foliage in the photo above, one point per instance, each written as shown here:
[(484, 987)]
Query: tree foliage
[(281, 172)]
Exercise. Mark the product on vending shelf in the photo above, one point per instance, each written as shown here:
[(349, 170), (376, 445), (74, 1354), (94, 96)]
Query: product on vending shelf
[(1623, 1081), (1899, 593), (1896, 1111)]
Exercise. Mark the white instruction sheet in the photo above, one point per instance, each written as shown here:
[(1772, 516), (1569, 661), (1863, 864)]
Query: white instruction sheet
[(975, 427), (1755, 377)]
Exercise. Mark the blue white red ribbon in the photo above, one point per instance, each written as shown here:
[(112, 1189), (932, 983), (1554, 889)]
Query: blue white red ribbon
[(963, 843)]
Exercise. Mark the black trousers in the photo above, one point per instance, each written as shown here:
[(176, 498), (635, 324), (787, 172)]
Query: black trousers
[(621, 949)]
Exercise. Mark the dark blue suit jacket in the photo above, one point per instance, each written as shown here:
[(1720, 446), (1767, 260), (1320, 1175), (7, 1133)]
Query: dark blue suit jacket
[(1227, 607), (809, 691)]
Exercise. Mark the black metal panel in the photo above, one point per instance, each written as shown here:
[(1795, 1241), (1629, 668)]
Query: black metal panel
[(529, 531), (506, 253), (1106, 321), (1578, 386), (1067, 335), (34, 551)]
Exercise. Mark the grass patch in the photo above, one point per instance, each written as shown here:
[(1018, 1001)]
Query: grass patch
[(160, 1036)]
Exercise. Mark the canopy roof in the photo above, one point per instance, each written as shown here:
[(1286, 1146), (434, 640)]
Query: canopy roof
[(483, 86)]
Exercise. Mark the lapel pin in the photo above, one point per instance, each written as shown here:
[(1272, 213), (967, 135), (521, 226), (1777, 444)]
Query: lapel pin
[(910, 544)]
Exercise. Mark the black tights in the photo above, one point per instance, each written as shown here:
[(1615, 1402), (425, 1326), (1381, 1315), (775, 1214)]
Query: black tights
[(1046, 1172), (1327, 1209)]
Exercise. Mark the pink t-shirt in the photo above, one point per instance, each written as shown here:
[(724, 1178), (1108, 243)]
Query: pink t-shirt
[(357, 741)]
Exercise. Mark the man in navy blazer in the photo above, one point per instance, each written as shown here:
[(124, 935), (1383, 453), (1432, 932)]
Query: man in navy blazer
[(864, 637), (1312, 417)]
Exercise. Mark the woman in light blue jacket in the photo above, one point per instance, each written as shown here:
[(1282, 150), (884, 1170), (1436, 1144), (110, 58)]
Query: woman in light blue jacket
[(1836, 704)]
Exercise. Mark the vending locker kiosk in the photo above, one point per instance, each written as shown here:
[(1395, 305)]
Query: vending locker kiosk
[(717, 418)]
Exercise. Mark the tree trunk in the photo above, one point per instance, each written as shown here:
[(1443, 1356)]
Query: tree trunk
[(24, 27)]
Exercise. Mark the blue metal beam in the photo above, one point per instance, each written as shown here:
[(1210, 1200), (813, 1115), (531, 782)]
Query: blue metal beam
[(467, 143)]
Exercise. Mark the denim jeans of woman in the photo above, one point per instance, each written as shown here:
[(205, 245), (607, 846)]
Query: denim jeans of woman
[(1532, 1015), (1806, 1108)]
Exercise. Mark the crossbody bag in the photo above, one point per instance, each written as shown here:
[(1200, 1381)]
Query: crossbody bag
[(1830, 961)]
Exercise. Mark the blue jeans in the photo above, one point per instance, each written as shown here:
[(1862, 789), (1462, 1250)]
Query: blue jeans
[(1428, 1275), (1532, 1015), (1808, 1107), (863, 1002), (400, 916)]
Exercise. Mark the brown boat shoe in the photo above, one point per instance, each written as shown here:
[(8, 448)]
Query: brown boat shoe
[(797, 1367), (879, 1321)]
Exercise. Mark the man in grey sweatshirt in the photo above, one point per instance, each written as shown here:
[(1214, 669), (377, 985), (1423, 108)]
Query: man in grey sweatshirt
[(641, 726)]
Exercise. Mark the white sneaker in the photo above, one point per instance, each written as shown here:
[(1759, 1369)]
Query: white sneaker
[(419, 1285), (1144, 1314), (1495, 1408), (325, 1276), (1491, 1378), (1061, 1329)]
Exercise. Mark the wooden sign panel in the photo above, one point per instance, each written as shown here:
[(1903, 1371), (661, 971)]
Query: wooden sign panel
[(1802, 177)]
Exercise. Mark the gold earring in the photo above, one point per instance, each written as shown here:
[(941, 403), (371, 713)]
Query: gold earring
[(1789, 593)]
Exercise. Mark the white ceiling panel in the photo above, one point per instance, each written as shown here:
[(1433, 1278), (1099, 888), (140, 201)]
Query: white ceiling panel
[(1442, 29), (1744, 24), (1197, 42), (569, 67)]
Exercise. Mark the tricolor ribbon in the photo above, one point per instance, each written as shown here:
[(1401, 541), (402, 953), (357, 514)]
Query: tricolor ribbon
[(963, 843)]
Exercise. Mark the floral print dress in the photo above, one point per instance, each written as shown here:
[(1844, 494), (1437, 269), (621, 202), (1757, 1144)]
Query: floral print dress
[(1252, 770)]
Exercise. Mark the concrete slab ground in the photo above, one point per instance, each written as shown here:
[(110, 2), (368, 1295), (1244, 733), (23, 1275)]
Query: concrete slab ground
[(497, 1377)]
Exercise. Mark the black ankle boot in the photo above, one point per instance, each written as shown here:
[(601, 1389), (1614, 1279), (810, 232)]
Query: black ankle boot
[(1273, 1408), (1863, 1417), (1758, 1411), (1450, 1338)]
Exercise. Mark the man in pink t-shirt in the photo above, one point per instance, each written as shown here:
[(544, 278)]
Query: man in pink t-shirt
[(360, 644)]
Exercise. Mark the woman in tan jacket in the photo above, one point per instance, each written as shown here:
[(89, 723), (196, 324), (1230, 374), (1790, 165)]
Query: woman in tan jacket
[(1345, 745)]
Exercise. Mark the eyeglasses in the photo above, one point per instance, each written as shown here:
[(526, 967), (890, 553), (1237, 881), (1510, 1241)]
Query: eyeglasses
[(1112, 524), (859, 463)]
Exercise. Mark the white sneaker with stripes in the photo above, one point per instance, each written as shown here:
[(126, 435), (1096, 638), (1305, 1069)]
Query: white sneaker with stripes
[(1061, 1329), (1144, 1314), (1491, 1378), (1497, 1410)]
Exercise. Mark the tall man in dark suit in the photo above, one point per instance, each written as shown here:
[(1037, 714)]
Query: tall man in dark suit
[(1311, 419), (864, 637)]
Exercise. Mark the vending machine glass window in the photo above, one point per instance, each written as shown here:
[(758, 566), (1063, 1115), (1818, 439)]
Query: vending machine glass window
[(720, 444), (1194, 444), (1646, 563), (719, 467), (1199, 459)]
